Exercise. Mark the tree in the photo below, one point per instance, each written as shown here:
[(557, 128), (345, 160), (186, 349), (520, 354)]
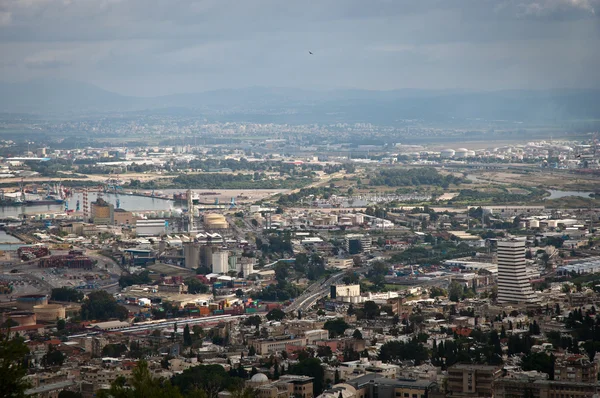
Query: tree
[(101, 306), (371, 309), (394, 351), (251, 351), (114, 350), (336, 327), (275, 315), (61, 324), (13, 365), (187, 336), (455, 291), (311, 367), (254, 320), (66, 294), (53, 357), (357, 334), (195, 286), (140, 385)]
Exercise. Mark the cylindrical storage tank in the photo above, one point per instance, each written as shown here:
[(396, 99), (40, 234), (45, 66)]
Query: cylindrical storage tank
[(49, 312), (447, 153), (461, 153), (21, 318), (534, 224), (28, 301), (552, 223)]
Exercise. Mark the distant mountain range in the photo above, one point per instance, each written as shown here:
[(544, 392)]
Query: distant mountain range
[(288, 105)]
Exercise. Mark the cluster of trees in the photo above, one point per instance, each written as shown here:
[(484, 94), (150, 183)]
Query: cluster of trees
[(206, 381), (313, 266), (234, 181), (322, 192), (413, 177), (66, 294), (457, 292), (311, 367), (142, 278), (283, 290), (396, 351), (433, 254), (195, 286), (101, 306), (13, 363), (336, 327), (503, 196), (278, 243)]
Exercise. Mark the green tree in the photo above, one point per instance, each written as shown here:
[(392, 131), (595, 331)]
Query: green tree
[(140, 385), (187, 336), (53, 357), (311, 367), (61, 324), (371, 309), (336, 327), (455, 291), (208, 379), (101, 306), (13, 365), (195, 286), (275, 315), (66, 294), (357, 334)]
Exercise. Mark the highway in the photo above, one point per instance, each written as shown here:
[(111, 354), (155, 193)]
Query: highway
[(314, 292)]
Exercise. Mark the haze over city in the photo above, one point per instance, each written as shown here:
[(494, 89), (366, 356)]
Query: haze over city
[(299, 199), (150, 48)]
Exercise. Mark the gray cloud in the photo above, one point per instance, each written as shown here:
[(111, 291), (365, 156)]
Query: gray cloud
[(165, 46)]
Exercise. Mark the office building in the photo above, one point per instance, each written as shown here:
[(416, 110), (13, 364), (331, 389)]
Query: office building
[(358, 243), (513, 283), (520, 387), (467, 380)]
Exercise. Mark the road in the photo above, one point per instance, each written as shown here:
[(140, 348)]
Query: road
[(315, 292)]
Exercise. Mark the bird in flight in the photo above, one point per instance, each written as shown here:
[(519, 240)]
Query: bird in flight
[(310, 52)]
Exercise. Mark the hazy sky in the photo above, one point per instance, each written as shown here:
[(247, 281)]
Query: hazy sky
[(152, 47)]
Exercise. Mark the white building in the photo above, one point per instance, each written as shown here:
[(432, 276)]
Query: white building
[(344, 291), (220, 262), (150, 227), (513, 283)]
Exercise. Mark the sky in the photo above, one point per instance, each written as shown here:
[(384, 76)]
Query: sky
[(158, 47)]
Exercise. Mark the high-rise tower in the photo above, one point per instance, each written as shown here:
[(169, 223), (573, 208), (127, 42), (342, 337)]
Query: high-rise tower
[(513, 283)]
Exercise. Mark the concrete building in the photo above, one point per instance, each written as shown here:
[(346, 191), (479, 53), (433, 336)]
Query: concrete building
[(220, 262), (513, 283), (376, 386), (511, 211), (519, 387), (191, 254), (102, 212), (357, 243), (150, 227), (466, 380), (338, 291), (575, 368), (340, 263), (123, 217)]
